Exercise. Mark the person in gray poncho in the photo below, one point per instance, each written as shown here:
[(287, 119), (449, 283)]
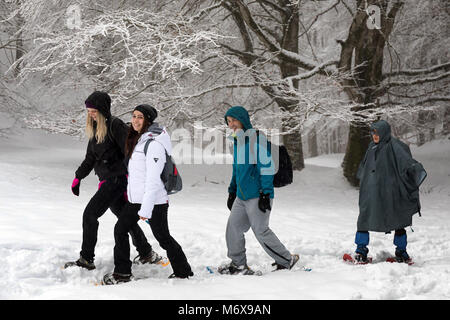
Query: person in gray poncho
[(389, 191)]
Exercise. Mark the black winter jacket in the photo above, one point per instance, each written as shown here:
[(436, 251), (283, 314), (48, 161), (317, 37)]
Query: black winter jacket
[(106, 158)]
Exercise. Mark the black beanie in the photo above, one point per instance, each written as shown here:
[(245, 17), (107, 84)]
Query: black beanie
[(148, 111), (101, 101)]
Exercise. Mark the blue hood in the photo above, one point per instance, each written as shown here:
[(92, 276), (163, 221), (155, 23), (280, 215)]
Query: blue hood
[(241, 114)]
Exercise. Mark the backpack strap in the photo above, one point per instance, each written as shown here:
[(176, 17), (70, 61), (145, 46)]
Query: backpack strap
[(258, 134), (146, 146)]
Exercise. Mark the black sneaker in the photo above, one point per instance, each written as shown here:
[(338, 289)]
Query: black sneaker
[(116, 278), (153, 257)]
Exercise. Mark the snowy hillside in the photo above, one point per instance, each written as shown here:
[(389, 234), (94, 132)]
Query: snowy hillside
[(40, 229)]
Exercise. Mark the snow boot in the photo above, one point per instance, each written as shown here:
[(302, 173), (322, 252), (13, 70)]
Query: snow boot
[(400, 241), (361, 255), (81, 262), (174, 276), (152, 258), (294, 260), (361, 241), (402, 256), (233, 269), (116, 278)]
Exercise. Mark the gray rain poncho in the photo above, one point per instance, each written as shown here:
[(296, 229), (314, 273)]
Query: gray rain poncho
[(389, 184)]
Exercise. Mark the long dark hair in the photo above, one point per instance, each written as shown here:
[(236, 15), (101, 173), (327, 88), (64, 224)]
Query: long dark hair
[(133, 137)]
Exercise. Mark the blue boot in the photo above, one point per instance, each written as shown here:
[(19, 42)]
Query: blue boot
[(400, 241), (361, 240)]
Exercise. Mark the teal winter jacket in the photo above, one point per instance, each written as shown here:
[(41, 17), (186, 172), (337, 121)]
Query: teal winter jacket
[(252, 163)]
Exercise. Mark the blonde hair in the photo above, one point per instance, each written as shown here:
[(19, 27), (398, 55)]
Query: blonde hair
[(100, 131)]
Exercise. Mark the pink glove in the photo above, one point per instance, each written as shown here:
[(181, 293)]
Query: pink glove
[(100, 184), (76, 186)]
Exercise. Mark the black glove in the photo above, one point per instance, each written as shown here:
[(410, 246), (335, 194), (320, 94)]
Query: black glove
[(230, 201), (264, 202)]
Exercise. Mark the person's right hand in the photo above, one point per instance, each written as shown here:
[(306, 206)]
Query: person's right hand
[(230, 201), (76, 186)]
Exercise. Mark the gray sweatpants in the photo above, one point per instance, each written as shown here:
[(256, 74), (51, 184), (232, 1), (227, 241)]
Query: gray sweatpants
[(246, 214)]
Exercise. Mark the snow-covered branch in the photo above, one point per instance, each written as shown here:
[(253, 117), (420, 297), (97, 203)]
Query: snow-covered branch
[(416, 72), (129, 49), (273, 47)]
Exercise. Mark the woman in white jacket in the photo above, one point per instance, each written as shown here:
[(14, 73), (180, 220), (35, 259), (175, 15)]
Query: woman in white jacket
[(147, 196)]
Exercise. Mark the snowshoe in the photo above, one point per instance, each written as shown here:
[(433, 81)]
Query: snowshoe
[(357, 259), (401, 256), (233, 269)]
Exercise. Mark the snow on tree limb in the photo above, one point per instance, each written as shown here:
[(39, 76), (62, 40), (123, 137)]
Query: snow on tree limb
[(132, 48), (416, 72)]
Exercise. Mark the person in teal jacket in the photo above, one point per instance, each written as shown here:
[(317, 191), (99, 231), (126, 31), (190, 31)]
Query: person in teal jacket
[(251, 197), (247, 181)]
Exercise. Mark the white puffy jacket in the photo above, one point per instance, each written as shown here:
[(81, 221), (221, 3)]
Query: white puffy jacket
[(144, 171)]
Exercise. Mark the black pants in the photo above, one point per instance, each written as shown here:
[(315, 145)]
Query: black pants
[(160, 229), (110, 195)]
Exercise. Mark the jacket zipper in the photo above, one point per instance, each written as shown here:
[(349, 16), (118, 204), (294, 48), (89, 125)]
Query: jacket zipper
[(129, 186), (241, 191), (239, 185)]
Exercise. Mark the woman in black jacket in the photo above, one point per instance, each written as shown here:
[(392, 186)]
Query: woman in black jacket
[(105, 154)]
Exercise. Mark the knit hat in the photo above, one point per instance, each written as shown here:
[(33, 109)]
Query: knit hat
[(148, 111), (101, 101)]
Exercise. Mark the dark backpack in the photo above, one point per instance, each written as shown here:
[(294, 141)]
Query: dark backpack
[(283, 167), (170, 175)]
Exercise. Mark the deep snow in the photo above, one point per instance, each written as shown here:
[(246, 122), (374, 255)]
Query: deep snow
[(40, 229)]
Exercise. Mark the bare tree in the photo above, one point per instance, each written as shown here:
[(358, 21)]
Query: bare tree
[(363, 54)]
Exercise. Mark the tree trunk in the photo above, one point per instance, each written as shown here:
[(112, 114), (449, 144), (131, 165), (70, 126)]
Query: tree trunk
[(294, 145), (446, 125), (292, 141), (358, 140), (313, 149), (365, 46), (19, 43)]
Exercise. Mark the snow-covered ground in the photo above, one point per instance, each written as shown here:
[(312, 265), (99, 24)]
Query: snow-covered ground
[(40, 229)]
